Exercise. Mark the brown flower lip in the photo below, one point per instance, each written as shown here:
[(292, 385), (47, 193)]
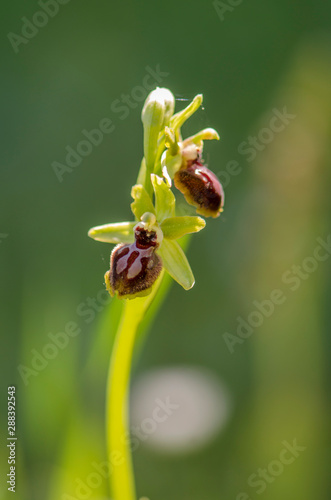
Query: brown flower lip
[(201, 188), (134, 268)]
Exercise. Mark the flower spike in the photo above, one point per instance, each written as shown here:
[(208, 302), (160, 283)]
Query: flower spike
[(148, 244)]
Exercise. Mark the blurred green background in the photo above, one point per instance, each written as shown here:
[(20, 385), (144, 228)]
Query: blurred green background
[(255, 57)]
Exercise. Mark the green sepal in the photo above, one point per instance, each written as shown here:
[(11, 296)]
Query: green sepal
[(176, 227), (164, 198), (142, 202), (176, 264), (180, 118), (120, 232)]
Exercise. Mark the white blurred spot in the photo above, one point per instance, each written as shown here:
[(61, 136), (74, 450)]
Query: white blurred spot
[(193, 407)]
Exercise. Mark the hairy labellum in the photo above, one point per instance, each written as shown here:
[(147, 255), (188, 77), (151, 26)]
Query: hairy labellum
[(201, 188), (134, 268)]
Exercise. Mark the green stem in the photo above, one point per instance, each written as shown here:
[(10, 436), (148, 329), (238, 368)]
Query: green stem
[(117, 405), (117, 408)]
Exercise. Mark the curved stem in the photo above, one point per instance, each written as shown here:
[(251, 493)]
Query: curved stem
[(117, 408), (122, 480)]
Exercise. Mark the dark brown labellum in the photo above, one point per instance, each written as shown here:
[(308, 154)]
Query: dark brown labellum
[(134, 268), (201, 188)]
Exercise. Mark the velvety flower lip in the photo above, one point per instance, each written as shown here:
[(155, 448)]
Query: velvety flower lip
[(134, 268), (201, 188)]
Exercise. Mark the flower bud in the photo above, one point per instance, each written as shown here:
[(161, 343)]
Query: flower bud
[(134, 268), (169, 105), (201, 188), (157, 111), (153, 112)]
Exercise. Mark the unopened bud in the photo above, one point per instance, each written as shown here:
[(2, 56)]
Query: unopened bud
[(157, 111), (154, 109), (169, 106)]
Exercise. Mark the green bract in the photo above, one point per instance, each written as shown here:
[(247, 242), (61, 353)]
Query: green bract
[(142, 202), (156, 226)]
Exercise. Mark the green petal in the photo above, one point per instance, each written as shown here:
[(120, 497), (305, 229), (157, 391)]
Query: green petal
[(142, 201), (176, 264), (164, 199), (120, 232), (176, 227), (207, 134)]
